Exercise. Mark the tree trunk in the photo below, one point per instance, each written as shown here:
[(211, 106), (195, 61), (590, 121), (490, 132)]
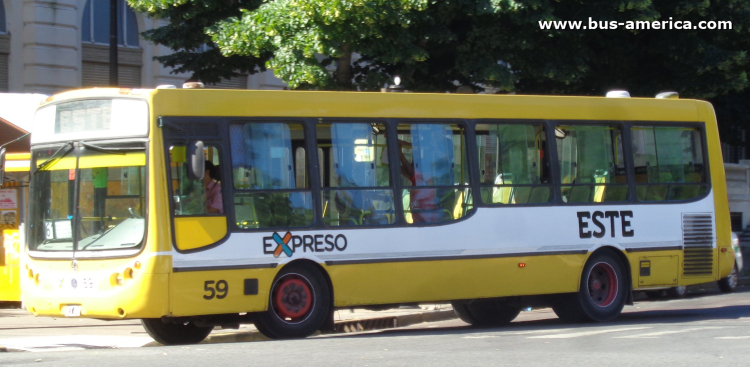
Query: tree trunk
[(343, 74)]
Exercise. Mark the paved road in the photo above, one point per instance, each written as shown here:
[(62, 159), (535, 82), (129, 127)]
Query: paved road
[(703, 330), (20, 331)]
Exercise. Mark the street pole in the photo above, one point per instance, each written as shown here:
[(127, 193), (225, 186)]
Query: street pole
[(113, 43)]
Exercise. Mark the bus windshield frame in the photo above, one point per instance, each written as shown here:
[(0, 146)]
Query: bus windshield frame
[(89, 200)]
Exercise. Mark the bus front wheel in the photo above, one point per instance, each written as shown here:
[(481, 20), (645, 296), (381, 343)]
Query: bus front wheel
[(299, 304), (174, 333), (487, 312), (602, 292)]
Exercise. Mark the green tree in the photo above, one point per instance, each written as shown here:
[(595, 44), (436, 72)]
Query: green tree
[(185, 34), (312, 42), (437, 46)]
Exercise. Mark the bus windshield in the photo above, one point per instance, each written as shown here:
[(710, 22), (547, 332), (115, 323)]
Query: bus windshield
[(88, 198)]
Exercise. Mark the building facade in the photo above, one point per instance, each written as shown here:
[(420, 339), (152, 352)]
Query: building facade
[(49, 46)]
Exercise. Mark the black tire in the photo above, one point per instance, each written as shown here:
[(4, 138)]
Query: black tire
[(677, 292), (487, 312), (729, 284), (654, 294), (602, 291), (169, 333), (300, 309)]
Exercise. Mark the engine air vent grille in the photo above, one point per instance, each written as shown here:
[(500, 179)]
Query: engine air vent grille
[(698, 242)]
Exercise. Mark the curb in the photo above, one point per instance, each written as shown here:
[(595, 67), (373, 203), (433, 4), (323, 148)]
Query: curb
[(340, 327), (389, 322)]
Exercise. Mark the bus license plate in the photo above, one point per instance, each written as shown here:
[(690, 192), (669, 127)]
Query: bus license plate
[(72, 311)]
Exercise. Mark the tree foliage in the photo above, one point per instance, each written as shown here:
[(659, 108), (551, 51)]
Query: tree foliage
[(185, 34), (312, 41), (438, 45)]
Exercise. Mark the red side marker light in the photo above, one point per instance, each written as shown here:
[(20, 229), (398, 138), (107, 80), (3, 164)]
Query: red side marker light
[(521, 265)]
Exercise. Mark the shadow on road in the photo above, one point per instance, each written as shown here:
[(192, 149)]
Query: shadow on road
[(686, 315), (682, 313)]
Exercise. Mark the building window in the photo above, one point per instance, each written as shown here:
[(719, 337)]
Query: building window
[(4, 49), (95, 46), (3, 27), (95, 25)]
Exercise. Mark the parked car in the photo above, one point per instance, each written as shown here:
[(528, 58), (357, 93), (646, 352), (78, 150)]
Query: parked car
[(729, 284)]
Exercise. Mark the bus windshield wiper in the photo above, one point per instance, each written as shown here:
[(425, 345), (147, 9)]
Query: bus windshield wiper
[(53, 157), (110, 149)]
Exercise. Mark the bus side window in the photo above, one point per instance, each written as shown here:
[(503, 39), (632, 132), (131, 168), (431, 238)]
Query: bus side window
[(267, 190), (668, 163), (189, 197), (436, 176), (514, 168), (591, 166), (358, 190)]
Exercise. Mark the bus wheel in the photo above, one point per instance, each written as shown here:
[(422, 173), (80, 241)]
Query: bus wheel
[(487, 312), (729, 284), (299, 304), (677, 292), (169, 333), (602, 292)]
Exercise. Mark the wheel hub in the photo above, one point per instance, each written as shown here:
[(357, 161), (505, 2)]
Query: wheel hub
[(292, 298), (596, 285), (602, 284)]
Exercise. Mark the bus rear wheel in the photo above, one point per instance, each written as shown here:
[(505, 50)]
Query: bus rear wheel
[(487, 312), (299, 304), (677, 292), (729, 284), (602, 291), (173, 333)]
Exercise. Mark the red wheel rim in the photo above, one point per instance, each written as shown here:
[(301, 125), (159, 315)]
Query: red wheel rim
[(602, 284), (292, 298)]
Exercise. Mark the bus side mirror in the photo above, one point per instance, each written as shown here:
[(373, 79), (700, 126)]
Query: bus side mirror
[(196, 161), (2, 166)]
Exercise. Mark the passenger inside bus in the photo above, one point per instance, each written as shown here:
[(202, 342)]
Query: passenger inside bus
[(431, 159), (212, 190), (407, 167)]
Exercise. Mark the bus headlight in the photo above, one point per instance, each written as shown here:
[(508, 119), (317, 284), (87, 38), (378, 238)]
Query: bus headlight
[(115, 279)]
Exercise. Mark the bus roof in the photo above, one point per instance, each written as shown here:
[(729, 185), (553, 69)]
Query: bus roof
[(266, 103)]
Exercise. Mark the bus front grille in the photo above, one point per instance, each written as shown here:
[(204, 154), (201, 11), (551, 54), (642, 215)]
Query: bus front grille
[(698, 244)]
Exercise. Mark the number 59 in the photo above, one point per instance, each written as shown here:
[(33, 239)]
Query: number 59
[(219, 291)]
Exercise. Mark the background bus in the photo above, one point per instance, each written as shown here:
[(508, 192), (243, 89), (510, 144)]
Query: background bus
[(15, 123), (358, 199)]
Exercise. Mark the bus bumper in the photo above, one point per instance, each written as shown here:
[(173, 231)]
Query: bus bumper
[(96, 294)]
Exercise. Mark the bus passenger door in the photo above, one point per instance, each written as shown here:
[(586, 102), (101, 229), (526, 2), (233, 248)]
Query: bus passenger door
[(197, 204)]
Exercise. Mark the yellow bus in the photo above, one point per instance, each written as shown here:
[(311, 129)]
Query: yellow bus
[(16, 117), (14, 175), (193, 208)]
